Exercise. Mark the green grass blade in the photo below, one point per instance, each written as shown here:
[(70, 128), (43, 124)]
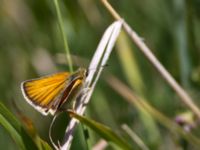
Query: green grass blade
[(9, 117), (104, 131), (60, 21), (16, 129), (44, 145), (12, 131), (129, 63), (133, 75)]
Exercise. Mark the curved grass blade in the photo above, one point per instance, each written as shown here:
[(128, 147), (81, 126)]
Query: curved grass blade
[(16, 129), (104, 131), (12, 131), (140, 103)]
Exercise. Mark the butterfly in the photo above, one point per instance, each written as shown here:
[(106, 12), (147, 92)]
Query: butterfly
[(47, 94)]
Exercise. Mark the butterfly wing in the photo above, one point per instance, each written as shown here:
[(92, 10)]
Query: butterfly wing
[(43, 92)]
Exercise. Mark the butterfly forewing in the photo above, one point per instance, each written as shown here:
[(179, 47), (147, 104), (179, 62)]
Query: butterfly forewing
[(43, 91)]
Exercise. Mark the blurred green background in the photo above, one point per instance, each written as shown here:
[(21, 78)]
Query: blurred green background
[(31, 46)]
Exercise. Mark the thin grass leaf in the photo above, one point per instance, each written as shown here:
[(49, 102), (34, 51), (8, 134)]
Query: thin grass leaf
[(101, 106), (129, 63), (17, 130), (13, 132), (139, 103), (104, 131), (134, 137), (61, 26), (44, 145), (132, 73), (10, 117), (182, 42)]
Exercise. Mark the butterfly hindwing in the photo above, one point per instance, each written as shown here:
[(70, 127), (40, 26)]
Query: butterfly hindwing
[(70, 91)]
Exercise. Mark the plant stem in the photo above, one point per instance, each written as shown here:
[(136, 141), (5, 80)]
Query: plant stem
[(184, 97), (66, 47)]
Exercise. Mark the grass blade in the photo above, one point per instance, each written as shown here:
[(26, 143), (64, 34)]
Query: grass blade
[(13, 132), (16, 130), (104, 131)]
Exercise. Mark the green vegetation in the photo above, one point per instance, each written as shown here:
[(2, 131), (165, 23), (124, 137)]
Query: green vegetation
[(42, 37)]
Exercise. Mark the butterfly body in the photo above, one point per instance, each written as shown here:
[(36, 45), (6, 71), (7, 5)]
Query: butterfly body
[(47, 94)]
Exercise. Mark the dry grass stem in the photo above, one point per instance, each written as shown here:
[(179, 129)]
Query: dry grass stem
[(134, 137), (184, 97), (142, 104)]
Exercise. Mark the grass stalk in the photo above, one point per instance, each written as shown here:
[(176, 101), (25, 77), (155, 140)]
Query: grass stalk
[(184, 97), (61, 26), (135, 137), (142, 104)]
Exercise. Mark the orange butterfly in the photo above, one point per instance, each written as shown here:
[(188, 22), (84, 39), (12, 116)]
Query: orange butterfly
[(47, 94)]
